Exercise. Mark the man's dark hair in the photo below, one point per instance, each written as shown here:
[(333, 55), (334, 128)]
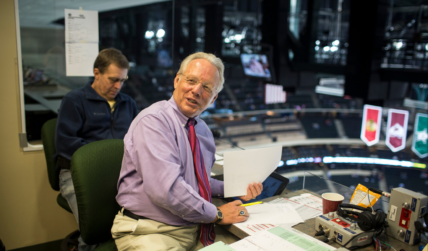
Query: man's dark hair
[(110, 56)]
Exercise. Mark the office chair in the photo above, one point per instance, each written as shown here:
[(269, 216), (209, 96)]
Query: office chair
[(95, 169), (48, 139)]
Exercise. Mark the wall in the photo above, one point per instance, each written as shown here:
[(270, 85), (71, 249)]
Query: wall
[(29, 213)]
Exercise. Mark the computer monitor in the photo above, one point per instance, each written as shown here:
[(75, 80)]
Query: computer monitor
[(257, 66)]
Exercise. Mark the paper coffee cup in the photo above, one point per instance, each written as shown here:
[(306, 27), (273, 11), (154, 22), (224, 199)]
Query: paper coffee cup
[(330, 201)]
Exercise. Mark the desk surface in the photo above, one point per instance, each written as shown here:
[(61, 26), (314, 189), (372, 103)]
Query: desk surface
[(308, 227)]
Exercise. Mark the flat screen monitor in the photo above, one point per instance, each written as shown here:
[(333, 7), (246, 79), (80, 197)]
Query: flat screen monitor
[(257, 66)]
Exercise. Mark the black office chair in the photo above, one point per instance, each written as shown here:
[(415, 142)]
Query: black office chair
[(48, 139), (95, 169)]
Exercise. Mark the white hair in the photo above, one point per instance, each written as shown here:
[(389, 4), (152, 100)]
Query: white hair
[(212, 59)]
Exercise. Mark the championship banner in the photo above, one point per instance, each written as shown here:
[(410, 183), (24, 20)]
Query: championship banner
[(396, 129), (370, 128), (420, 135)]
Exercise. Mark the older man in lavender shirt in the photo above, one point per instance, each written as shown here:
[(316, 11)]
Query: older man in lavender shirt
[(158, 190)]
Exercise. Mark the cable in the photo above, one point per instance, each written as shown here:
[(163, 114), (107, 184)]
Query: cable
[(368, 197), (385, 244), (376, 243)]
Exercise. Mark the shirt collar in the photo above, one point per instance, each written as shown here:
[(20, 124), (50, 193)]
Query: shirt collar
[(91, 94), (183, 118)]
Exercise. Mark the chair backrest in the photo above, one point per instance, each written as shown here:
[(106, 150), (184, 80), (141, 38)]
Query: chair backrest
[(48, 139), (95, 169)]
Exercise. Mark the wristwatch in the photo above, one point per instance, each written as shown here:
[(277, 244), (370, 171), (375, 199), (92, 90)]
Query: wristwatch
[(219, 216)]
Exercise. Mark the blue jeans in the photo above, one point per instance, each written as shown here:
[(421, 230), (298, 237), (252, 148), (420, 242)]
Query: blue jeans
[(67, 191)]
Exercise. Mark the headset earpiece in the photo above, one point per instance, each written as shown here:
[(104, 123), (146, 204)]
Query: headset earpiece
[(379, 219), (366, 221)]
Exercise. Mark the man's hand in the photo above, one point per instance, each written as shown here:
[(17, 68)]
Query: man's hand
[(232, 213), (253, 190)]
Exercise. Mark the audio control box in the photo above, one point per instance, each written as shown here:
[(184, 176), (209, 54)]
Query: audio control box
[(342, 231), (405, 208)]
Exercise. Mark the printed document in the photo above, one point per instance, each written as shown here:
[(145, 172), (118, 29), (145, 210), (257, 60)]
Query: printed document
[(279, 238), (267, 216), (242, 168), (81, 41), (306, 210)]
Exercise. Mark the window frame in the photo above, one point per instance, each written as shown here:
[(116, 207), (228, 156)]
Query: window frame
[(23, 142)]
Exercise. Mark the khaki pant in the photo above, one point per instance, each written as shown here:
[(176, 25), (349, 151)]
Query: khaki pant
[(141, 235)]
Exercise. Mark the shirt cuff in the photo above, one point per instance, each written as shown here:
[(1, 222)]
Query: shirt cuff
[(210, 215)]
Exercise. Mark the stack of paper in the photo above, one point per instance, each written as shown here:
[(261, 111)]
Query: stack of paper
[(275, 239), (306, 205), (242, 168), (267, 216), (288, 213), (308, 200)]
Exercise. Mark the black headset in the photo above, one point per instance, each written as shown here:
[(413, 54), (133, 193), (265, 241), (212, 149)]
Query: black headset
[(366, 219)]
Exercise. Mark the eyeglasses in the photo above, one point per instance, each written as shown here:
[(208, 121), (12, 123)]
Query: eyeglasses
[(192, 81)]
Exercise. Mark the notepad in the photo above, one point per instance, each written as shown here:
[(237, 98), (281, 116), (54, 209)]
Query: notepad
[(242, 168)]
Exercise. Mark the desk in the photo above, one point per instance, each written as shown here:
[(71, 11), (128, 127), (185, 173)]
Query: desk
[(308, 227)]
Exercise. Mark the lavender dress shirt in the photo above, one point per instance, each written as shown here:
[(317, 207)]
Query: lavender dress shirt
[(157, 179)]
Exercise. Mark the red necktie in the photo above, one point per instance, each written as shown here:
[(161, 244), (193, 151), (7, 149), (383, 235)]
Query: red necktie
[(207, 230)]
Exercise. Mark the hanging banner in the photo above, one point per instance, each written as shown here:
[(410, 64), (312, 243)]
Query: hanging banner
[(396, 129), (370, 128), (420, 135)]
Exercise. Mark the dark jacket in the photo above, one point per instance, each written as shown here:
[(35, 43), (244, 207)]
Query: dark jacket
[(85, 116)]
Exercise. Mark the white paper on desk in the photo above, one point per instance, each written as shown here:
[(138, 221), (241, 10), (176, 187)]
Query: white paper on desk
[(255, 228), (242, 168), (218, 157), (305, 211), (218, 246), (287, 239), (308, 200), (244, 245), (271, 214), (270, 242), (285, 201)]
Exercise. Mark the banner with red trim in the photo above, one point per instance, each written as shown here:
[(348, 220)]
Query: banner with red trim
[(370, 127), (396, 129)]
